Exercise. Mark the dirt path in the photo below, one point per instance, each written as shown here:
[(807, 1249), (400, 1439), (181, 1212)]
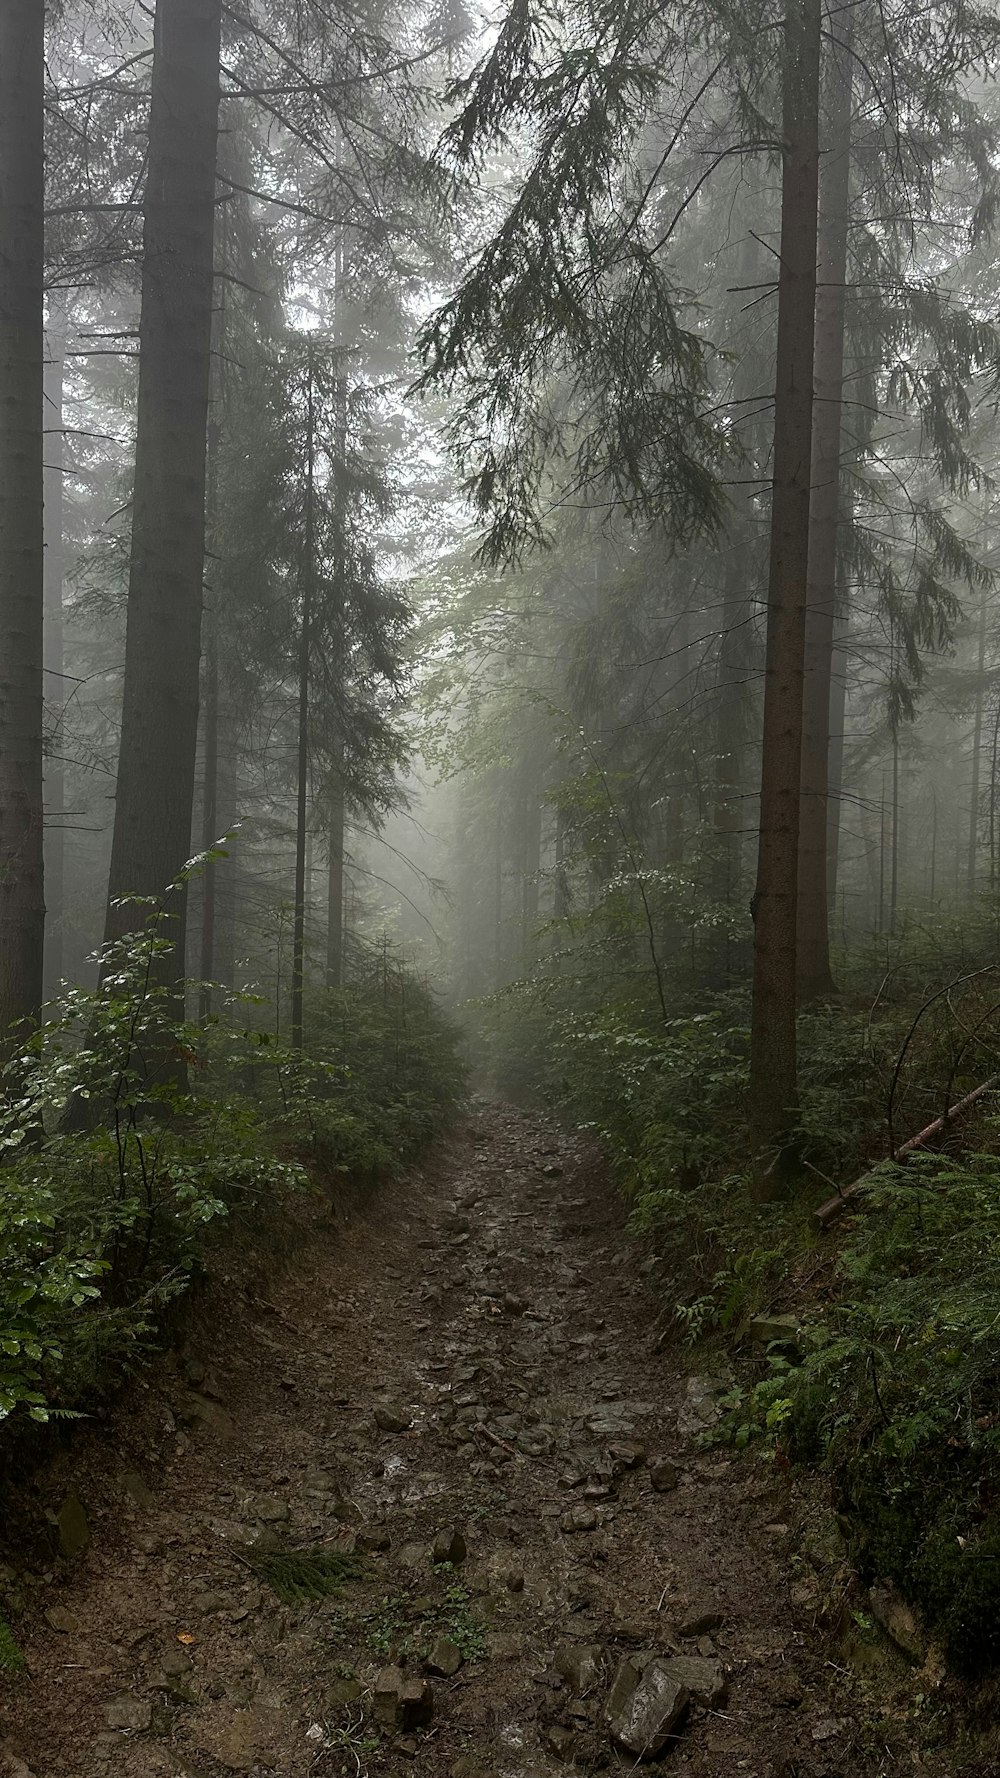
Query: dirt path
[(492, 1318)]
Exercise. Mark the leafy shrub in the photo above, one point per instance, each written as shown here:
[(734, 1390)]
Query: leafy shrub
[(113, 1168)]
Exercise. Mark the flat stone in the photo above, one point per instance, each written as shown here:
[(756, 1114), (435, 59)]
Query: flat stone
[(700, 1410), (562, 1742), (58, 1618), (449, 1546), (388, 1417), (199, 1410), (385, 1696), (129, 1712), (176, 1664), (664, 1475), (413, 1555), (210, 1604), (704, 1679), (375, 1539), (899, 1621), (775, 1330), (536, 1441), (701, 1617), (579, 1518), (136, 1490), (580, 1665), (643, 1716), (73, 1526), (402, 1700), (270, 1509), (444, 1658), (627, 1453)]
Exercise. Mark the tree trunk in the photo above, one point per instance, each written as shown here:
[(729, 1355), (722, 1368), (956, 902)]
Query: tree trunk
[(335, 883), (52, 658), (530, 818), (815, 978), (302, 770), (157, 758), (211, 692), (209, 815), (977, 742), (22, 352), (773, 1073), (838, 716), (731, 668), (338, 785)]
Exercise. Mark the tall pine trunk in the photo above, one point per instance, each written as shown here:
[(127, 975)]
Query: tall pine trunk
[(302, 750), (52, 656), (335, 881), (731, 708), (22, 352), (156, 766), (814, 973), (337, 827), (773, 1071)]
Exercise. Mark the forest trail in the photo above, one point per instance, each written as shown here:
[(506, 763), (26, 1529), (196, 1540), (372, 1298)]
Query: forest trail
[(489, 1310)]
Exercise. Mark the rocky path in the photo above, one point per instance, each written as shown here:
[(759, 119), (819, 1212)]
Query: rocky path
[(432, 1500)]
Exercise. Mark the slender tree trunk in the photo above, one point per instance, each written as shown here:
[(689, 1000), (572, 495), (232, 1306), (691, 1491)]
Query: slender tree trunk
[(531, 816), (211, 693), (894, 853), (302, 771), (22, 352), (731, 668), (157, 758), (499, 949), (815, 977), (838, 716), (338, 787), (773, 1071), (993, 800), (560, 885), (209, 814), (55, 687), (335, 883), (731, 716), (977, 743)]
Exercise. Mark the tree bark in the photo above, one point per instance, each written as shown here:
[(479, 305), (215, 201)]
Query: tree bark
[(338, 784), (977, 743), (815, 977), (22, 352), (731, 668), (838, 717), (302, 764), (52, 657), (773, 1071), (157, 759), (335, 883)]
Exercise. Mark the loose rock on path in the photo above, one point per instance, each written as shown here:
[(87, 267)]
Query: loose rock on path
[(449, 1424)]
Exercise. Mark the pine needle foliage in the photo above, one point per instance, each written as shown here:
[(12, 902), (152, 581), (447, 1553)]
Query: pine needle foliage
[(303, 1576)]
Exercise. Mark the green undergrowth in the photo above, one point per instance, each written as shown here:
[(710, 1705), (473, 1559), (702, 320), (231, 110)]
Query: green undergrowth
[(11, 1656), (406, 1625), (891, 1383), (130, 1136), (301, 1576)]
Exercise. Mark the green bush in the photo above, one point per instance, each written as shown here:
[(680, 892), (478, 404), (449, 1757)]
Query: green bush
[(127, 1132)]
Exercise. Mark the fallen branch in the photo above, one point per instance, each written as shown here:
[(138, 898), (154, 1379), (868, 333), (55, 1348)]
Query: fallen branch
[(829, 1211)]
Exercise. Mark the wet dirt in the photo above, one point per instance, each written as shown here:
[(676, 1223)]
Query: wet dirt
[(467, 1369)]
